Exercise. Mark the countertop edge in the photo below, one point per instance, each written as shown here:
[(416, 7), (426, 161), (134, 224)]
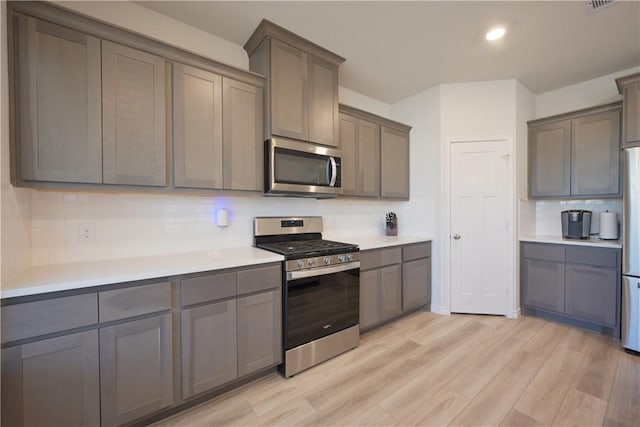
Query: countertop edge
[(558, 240)]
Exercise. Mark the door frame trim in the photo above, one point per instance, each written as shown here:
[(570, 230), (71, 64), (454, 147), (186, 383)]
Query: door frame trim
[(512, 308)]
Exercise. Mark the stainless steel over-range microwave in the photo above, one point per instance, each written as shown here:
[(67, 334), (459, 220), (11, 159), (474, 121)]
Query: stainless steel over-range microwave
[(299, 168)]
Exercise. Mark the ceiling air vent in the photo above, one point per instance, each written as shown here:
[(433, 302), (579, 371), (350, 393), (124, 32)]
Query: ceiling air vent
[(599, 4)]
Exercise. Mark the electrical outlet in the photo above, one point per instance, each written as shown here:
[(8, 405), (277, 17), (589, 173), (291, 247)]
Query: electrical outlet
[(87, 232)]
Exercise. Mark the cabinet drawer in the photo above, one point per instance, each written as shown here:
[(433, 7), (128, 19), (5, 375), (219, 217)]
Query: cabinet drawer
[(546, 252), (593, 256), (134, 301), (208, 288), (420, 250), (380, 257), (31, 319), (259, 279)]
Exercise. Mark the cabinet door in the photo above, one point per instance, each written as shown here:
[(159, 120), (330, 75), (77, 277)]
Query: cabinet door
[(59, 104), (133, 116), (631, 107), (390, 292), (369, 289), (209, 347), (550, 159), (368, 159), (591, 294), (543, 284), (416, 283), (289, 110), (394, 164), (197, 128), (136, 369), (243, 136), (348, 143), (53, 382), (323, 102), (259, 331), (595, 154)]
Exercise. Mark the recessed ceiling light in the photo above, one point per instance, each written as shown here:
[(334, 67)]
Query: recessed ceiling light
[(495, 33)]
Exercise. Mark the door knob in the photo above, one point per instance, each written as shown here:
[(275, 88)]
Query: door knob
[(456, 237)]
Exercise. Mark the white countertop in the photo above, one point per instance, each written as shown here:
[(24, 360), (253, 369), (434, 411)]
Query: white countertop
[(374, 242), (77, 275), (578, 242)]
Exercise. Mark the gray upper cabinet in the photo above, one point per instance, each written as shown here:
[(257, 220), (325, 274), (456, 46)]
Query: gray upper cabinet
[(302, 84), (59, 104), (136, 369), (550, 160), (322, 84), (197, 128), (288, 106), (53, 382), (360, 146), (394, 163), (595, 154), (259, 331), (209, 349), (576, 155), (243, 136), (133, 116), (629, 87)]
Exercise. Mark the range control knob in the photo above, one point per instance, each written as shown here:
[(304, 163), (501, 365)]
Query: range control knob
[(312, 263), (327, 260), (342, 258), (301, 264), (349, 257)]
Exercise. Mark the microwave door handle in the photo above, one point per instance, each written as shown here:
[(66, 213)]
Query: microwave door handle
[(334, 172)]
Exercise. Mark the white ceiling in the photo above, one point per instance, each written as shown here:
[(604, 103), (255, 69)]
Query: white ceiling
[(396, 49)]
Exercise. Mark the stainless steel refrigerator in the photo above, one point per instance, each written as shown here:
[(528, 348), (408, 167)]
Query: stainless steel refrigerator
[(631, 249)]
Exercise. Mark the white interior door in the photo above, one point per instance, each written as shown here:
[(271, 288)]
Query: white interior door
[(480, 242)]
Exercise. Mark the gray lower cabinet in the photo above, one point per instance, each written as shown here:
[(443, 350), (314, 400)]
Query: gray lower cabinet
[(394, 281), (576, 284), (590, 293), (136, 369), (259, 331), (52, 382), (416, 284), (394, 163), (197, 128), (576, 155), (59, 103), (629, 87), (209, 348), (133, 116), (543, 284)]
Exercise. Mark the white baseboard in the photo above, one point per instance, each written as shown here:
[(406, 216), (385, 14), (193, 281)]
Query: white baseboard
[(515, 314), (439, 310)]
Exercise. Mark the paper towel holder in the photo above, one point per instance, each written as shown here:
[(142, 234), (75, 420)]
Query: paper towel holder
[(608, 226)]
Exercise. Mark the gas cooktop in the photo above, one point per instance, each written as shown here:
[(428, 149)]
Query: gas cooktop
[(308, 247)]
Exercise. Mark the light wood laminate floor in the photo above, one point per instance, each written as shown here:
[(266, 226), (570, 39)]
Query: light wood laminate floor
[(459, 370)]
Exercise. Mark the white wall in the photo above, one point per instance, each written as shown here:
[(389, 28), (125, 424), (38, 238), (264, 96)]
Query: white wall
[(421, 215), (355, 99), (598, 91), (15, 231)]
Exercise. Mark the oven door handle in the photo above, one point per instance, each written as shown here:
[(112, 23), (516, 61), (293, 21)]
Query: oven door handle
[(313, 272)]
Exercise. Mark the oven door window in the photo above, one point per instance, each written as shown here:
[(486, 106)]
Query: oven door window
[(295, 167), (319, 306)]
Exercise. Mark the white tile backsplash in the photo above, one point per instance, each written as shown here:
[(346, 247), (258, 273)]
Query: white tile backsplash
[(548, 213), (147, 224)]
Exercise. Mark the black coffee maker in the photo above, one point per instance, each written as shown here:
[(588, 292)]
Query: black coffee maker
[(576, 224)]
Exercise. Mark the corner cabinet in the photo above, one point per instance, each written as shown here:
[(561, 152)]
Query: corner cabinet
[(302, 81), (576, 155), (629, 87), (578, 285), (375, 155)]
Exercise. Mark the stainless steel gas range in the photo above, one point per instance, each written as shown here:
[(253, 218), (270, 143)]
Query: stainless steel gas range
[(321, 293)]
